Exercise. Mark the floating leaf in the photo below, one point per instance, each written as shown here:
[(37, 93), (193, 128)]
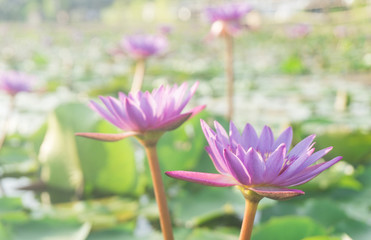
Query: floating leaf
[(288, 228), (70, 162)]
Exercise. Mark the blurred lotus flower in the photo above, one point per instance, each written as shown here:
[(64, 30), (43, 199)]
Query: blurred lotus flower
[(144, 112), (14, 82), (259, 164), (165, 29), (226, 23), (141, 46), (298, 30), (226, 19), (341, 31)]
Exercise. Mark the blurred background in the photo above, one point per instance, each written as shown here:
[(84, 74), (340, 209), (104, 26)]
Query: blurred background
[(303, 63)]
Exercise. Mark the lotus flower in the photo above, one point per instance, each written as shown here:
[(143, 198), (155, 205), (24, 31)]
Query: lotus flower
[(14, 82), (141, 46), (298, 30), (144, 112), (226, 19), (262, 164)]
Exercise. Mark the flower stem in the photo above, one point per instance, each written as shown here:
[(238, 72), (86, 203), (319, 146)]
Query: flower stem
[(140, 68), (248, 219), (229, 73), (159, 190), (4, 133)]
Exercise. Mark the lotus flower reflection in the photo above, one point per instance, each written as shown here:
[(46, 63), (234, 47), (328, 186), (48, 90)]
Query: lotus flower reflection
[(141, 46), (260, 164), (144, 112), (226, 19), (14, 82)]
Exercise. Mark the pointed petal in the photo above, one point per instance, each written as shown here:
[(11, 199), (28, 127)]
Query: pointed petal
[(108, 137), (196, 110), (236, 168), (249, 137), (178, 95), (277, 193), (301, 147), (285, 137), (255, 166), (310, 172), (274, 163), (173, 123), (147, 105), (265, 141), (315, 157), (188, 96), (241, 153), (136, 115), (294, 167), (209, 179), (208, 132), (218, 161), (217, 149), (104, 113), (234, 135), (221, 134)]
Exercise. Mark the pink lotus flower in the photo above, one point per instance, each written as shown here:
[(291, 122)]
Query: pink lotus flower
[(14, 82), (226, 19), (260, 164), (144, 112), (141, 46), (298, 30)]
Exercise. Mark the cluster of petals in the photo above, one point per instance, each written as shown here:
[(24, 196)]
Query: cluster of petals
[(142, 112), (226, 19), (258, 163), (14, 82), (141, 46)]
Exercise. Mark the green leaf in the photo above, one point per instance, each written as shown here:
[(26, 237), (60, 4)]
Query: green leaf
[(181, 149), (4, 234), (206, 234), (110, 167), (101, 213), (288, 228), (69, 162), (293, 65), (48, 229), (10, 204), (199, 208), (322, 238)]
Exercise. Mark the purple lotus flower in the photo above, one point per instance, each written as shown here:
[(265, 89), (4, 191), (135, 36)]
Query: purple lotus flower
[(14, 82), (298, 30), (226, 19), (262, 164), (141, 46), (142, 112)]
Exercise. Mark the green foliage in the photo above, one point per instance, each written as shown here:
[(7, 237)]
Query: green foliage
[(183, 147), (356, 145), (70, 162), (208, 205), (46, 229), (293, 65), (206, 234), (288, 228)]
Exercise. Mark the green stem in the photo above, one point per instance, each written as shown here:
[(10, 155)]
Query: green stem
[(140, 68), (230, 74), (159, 190)]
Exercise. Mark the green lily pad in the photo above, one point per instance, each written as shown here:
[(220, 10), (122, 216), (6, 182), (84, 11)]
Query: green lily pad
[(288, 228), (71, 163)]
